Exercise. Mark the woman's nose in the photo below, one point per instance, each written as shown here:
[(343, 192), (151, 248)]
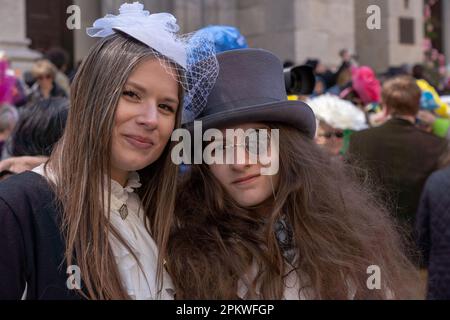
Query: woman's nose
[(149, 116), (241, 158)]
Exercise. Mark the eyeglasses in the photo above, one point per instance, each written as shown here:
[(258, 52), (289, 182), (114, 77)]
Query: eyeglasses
[(251, 142), (43, 77), (330, 134)]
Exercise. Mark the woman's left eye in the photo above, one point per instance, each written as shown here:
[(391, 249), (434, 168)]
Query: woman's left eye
[(131, 94), (166, 107)]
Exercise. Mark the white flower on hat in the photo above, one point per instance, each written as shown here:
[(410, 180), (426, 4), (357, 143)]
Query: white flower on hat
[(157, 31), (338, 113)]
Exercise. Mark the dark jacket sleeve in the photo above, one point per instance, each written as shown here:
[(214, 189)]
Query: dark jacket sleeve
[(12, 255), (422, 225), (353, 148)]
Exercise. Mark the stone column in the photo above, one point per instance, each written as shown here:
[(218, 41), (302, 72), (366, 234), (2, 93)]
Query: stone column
[(446, 28), (195, 14), (13, 35), (323, 28), (269, 25), (372, 45), (90, 11)]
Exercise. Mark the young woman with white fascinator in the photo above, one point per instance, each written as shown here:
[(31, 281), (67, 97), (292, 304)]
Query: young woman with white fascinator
[(93, 221)]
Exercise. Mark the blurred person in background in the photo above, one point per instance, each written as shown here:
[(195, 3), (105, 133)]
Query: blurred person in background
[(323, 75), (343, 81), (365, 87), (12, 89), (430, 122), (37, 130), (8, 120), (434, 112), (337, 119), (60, 59), (39, 127), (433, 233), (430, 98), (363, 91), (348, 61), (45, 86), (397, 155)]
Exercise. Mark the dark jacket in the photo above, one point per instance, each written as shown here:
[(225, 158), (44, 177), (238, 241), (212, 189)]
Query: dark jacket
[(433, 233), (31, 245), (399, 158)]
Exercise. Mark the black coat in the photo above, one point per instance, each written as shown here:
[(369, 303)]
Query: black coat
[(399, 158), (31, 244), (433, 233)]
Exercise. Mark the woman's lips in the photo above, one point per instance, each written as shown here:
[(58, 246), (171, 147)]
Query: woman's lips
[(246, 179), (139, 142)]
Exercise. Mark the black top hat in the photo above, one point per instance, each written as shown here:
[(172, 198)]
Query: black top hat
[(250, 88)]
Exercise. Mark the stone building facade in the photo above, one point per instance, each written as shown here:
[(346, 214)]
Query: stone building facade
[(294, 29)]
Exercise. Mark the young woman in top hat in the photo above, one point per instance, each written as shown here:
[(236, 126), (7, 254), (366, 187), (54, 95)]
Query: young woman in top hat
[(309, 231), (93, 222)]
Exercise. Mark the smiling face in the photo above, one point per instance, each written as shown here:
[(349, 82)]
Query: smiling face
[(145, 118), (244, 182)]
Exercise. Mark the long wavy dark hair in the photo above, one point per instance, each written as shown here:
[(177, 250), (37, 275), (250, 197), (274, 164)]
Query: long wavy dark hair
[(337, 228)]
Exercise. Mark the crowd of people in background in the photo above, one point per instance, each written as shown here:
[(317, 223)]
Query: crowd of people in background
[(393, 128), (34, 104)]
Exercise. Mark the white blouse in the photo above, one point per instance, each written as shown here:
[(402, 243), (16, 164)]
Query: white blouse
[(294, 288), (139, 281), (292, 284)]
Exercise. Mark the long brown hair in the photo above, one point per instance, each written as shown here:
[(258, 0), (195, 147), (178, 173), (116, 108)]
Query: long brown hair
[(81, 161), (338, 230)]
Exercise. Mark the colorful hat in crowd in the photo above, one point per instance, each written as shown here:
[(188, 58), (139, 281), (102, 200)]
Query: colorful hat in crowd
[(431, 101), (338, 113), (250, 88), (366, 84), (224, 37)]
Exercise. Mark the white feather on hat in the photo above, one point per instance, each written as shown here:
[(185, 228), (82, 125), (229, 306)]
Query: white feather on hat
[(338, 113)]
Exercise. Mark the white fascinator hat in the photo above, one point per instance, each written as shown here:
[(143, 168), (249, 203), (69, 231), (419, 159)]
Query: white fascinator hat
[(338, 113), (192, 58)]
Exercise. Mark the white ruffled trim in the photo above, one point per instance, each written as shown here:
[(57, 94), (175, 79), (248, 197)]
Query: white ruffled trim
[(139, 283), (158, 31)]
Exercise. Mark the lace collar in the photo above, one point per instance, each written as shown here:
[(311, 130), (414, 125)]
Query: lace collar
[(120, 195)]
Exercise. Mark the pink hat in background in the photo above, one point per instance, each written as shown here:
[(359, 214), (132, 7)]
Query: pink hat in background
[(366, 84)]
